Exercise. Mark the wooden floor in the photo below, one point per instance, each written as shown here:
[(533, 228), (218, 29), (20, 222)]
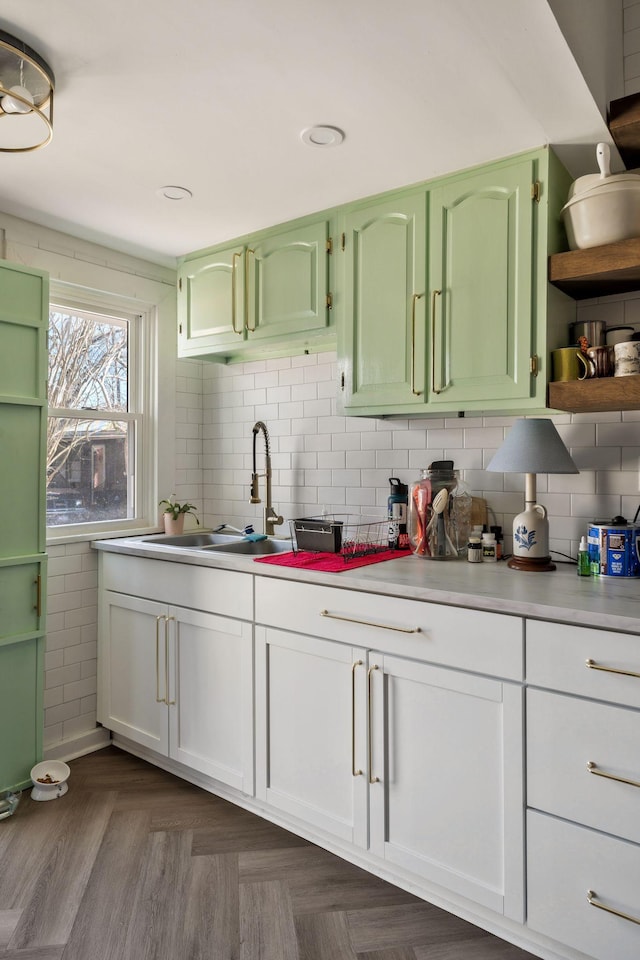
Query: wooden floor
[(135, 864)]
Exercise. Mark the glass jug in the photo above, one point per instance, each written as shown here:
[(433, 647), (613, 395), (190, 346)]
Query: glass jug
[(439, 515)]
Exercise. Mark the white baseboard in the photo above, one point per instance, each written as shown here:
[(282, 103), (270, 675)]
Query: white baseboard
[(78, 746)]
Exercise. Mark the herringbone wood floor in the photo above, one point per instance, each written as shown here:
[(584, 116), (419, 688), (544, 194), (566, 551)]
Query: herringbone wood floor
[(135, 864)]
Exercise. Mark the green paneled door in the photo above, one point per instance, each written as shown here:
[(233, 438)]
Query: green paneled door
[(382, 346), (211, 301), (24, 312), (480, 267)]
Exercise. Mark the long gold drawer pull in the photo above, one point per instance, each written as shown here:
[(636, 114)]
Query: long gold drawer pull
[(369, 623), (593, 768), (354, 772), (436, 293), (592, 665), (591, 897), (247, 302), (414, 299), (168, 702), (159, 699), (372, 779)]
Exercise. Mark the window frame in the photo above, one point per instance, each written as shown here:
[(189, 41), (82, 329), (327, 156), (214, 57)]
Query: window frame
[(142, 386)]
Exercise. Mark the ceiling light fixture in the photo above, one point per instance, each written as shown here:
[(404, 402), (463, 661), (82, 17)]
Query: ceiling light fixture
[(322, 136), (26, 90), (174, 193)]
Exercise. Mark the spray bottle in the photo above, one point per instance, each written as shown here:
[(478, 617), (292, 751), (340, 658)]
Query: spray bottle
[(397, 514)]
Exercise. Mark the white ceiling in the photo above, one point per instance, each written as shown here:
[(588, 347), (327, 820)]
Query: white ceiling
[(213, 95)]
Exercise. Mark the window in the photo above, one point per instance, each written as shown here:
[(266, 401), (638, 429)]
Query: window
[(96, 429)]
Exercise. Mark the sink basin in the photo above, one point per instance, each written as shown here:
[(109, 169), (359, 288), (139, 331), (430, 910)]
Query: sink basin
[(193, 539), (251, 548)]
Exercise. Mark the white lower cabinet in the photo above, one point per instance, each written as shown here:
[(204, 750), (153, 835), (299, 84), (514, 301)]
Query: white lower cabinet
[(421, 764), (583, 789), (583, 888), (179, 682)]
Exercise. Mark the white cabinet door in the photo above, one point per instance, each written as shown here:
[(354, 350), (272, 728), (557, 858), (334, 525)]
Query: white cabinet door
[(446, 802), (133, 680), (211, 696), (311, 731)]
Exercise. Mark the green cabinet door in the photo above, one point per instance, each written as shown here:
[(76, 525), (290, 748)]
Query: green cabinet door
[(382, 342), (481, 242), (288, 282), (24, 312), (211, 308), (21, 672)]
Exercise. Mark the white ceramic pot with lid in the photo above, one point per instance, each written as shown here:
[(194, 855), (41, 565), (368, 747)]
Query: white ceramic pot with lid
[(602, 208)]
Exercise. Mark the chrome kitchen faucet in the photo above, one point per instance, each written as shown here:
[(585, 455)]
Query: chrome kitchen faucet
[(271, 518)]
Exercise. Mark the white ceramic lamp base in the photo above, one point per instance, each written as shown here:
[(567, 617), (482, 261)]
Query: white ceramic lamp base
[(531, 540)]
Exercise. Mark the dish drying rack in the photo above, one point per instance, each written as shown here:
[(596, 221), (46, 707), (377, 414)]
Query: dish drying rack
[(349, 535)]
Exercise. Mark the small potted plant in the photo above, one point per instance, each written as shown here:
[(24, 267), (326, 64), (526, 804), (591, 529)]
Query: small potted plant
[(174, 514)]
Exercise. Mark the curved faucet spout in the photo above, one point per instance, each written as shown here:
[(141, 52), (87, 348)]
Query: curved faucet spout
[(271, 518)]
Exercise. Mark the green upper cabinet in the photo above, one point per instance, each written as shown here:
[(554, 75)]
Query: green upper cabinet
[(266, 295), (382, 336), (467, 325), (482, 308)]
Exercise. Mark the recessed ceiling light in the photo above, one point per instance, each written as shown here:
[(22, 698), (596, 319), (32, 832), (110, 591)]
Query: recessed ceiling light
[(174, 193), (322, 136)]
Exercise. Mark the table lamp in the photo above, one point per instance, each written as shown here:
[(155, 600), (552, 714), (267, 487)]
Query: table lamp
[(532, 446)]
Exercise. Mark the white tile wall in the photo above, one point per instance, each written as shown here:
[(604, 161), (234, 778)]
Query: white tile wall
[(631, 48)]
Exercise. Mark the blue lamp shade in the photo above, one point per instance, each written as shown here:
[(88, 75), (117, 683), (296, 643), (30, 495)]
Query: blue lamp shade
[(533, 446)]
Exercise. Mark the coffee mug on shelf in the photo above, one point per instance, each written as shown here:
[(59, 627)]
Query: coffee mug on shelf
[(564, 364), (595, 361), (626, 359)]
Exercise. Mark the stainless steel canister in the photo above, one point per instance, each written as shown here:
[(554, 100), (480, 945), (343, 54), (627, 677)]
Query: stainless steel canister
[(593, 330)]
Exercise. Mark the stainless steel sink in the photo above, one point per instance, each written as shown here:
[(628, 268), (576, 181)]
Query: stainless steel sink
[(192, 540), (252, 548)]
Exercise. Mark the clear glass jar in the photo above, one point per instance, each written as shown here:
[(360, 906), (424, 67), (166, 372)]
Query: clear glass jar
[(439, 521)]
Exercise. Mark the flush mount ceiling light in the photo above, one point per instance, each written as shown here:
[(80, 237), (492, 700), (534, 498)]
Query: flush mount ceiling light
[(174, 193), (322, 136), (26, 92)]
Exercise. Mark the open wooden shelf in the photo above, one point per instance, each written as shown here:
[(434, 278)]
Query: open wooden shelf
[(598, 271), (624, 124), (597, 395)]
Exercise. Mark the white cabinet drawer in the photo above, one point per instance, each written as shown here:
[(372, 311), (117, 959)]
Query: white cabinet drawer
[(564, 734), (469, 639), (591, 663), (225, 592), (564, 863)]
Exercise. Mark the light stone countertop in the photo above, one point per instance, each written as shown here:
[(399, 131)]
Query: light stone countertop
[(559, 596)]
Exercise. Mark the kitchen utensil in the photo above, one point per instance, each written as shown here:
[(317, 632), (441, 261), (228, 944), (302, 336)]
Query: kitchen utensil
[(603, 158), (604, 214), (564, 365), (593, 330), (615, 335), (626, 362), (596, 362)]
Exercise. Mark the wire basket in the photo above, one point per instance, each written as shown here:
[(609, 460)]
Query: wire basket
[(349, 535)]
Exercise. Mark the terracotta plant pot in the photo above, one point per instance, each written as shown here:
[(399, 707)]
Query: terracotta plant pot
[(173, 526)]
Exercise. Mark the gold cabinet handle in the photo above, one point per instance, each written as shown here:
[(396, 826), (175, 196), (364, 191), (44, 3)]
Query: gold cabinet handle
[(354, 772), (434, 389), (372, 779), (159, 699), (168, 702), (414, 299), (249, 252), (591, 898), (592, 665), (593, 768), (234, 298), (369, 623), (38, 604)]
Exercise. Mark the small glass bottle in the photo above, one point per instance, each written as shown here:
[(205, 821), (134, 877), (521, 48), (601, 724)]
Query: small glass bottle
[(584, 564), (489, 548), (474, 550)]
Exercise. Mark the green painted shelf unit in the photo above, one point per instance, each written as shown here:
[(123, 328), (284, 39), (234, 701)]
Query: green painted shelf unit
[(24, 311)]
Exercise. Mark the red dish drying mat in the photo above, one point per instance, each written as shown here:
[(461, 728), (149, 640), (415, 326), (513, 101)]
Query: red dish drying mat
[(330, 562)]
